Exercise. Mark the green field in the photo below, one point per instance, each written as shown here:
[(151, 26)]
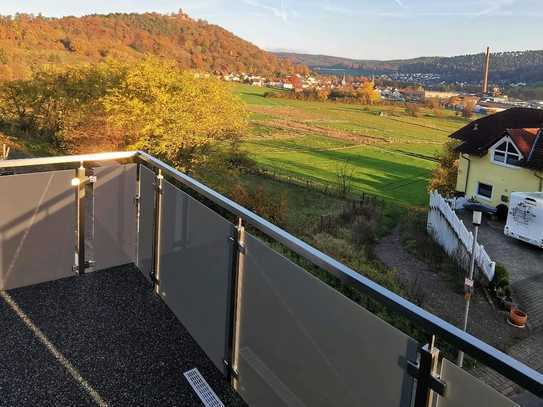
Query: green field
[(388, 152)]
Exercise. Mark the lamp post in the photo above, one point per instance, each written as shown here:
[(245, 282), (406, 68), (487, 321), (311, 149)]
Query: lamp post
[(468, 282)]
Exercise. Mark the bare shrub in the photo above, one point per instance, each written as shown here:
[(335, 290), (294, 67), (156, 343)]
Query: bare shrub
[(413, 109), (272, 207), (416, 292), (344, 175), (364, 231)]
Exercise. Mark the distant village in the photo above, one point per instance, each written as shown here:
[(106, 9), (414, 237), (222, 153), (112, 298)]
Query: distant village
[(491, 101), (488, 100)]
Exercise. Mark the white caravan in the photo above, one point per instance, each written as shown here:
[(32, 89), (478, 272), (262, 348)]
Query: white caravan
[(525, 218)]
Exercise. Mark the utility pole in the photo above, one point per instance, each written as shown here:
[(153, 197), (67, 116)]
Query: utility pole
[(485, 71), (468, 282)]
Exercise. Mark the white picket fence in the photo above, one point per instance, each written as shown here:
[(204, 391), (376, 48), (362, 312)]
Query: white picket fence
[(451, 234)]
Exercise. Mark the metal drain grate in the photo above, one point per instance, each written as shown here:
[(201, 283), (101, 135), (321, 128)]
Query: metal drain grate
[(202, 389)]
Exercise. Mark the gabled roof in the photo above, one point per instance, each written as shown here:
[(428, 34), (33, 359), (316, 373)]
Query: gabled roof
[(480, 134), (524, 139), (523, 125), (535, 160)]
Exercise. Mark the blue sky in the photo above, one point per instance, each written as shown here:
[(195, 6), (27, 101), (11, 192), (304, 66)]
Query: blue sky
[(369, 29)]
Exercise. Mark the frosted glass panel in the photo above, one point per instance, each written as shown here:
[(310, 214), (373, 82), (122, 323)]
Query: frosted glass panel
[(37, 228), (304, 344), (195, 265), (114, 240), (465, 390), (147, 221)]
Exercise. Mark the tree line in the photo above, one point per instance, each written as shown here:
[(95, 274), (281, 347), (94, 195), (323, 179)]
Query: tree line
[(365, 94), (27, 41), (175, 114)]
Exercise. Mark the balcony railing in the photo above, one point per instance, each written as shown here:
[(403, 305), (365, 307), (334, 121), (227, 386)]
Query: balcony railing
[(280, 335)]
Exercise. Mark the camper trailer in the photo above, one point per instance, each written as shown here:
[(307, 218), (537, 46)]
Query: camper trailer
[(525, 218)]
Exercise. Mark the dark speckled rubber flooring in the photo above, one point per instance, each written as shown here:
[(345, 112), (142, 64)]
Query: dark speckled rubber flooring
[(99, 339)]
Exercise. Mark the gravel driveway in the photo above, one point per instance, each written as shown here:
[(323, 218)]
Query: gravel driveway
[(523, 261)]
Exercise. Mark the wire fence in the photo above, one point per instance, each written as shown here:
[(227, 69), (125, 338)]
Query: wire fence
[(341, 190)]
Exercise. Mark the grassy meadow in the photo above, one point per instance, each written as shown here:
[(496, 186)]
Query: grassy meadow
[(387, 151)]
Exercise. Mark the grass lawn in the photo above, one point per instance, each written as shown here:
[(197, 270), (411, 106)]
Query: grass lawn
[(388, 152)]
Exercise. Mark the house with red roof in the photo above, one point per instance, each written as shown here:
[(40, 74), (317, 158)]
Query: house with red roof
[(500, 154)]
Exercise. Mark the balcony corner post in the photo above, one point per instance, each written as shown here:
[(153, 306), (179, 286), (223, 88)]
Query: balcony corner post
[(235, 289), (427, 383), (155, 274), (80, 218), (137, 209)]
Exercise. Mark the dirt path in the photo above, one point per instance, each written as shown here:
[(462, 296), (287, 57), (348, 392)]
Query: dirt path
[(304, 128), (442, 295)]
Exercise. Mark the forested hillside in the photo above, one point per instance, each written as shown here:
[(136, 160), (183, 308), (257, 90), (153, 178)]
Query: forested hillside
[(29, 41), (506, 67)]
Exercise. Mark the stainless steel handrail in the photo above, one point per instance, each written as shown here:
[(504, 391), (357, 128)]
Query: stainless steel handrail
[(501, 362), (67, 159), (504, 364)]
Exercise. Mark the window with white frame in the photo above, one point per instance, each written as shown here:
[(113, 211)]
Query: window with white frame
[(484, 190), (506, 153)]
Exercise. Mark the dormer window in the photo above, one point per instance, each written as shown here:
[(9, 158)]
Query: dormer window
[(506, 153)]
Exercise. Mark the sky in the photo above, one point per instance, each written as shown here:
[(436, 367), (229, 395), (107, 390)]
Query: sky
[(363, 29)]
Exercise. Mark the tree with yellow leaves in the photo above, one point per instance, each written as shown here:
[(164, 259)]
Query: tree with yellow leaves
[(445, 174), (176, 115), (152, 105), (367, 94)]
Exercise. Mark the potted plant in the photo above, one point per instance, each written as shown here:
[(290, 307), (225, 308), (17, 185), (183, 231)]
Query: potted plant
[(517, 317)]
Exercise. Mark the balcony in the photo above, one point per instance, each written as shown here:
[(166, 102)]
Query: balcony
[(120, 275)]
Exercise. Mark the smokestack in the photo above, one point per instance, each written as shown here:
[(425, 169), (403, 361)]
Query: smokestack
[(487, 66)]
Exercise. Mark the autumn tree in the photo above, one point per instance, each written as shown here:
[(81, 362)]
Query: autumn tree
[(469, 108), (55, 102), (152, 105), (445, 174), (27, 41), (322, 94), (367, 94), (174, 114)]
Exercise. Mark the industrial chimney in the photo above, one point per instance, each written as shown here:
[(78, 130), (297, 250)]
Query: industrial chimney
[(487, 66)]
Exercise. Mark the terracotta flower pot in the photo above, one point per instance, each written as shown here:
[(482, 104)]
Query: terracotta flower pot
[(518, 318)]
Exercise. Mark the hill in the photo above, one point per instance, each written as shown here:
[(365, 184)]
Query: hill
[(28, 41), (506, 67)]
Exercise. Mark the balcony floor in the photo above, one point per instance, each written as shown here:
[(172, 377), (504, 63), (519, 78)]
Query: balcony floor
[(99, 339)]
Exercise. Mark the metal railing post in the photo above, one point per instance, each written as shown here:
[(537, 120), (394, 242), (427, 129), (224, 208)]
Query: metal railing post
[(235, 289), (137, 203), (425, 373), (80, 217), (155, 273)]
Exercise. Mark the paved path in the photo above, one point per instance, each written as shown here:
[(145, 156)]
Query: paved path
[(486, 322), (527, 351), (524, 263)]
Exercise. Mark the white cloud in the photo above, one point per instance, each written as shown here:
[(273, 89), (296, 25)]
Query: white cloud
[(495, 6), (450, 9), (280, 12)]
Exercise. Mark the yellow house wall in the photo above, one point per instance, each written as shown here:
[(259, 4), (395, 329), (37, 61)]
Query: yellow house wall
[(503, 179)]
